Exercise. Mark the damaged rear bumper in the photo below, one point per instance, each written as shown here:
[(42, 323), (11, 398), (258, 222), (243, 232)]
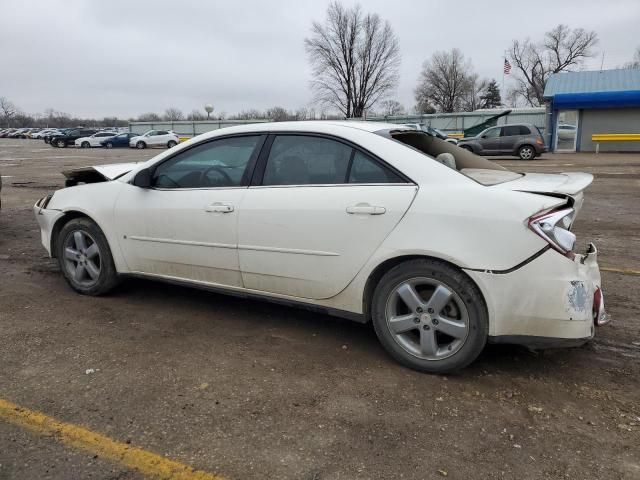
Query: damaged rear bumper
[(551, 301)]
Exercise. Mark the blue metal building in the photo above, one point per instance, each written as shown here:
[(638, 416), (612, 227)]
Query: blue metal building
[(594, 111)]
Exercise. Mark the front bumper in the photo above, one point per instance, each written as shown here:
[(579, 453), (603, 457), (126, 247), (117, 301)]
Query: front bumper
[(550, 300), (46, 220)]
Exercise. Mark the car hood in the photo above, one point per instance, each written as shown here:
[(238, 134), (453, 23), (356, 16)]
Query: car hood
[(98, 173)]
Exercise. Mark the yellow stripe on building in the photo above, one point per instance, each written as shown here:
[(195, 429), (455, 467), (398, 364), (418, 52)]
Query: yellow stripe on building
[(615, 137)]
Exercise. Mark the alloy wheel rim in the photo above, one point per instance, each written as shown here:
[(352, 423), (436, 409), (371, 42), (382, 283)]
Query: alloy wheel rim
[(526, 153), (82, 258), (427, 319)]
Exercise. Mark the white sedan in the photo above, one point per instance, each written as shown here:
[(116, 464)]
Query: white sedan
[(155, 138), (441, 249), (94, 140)]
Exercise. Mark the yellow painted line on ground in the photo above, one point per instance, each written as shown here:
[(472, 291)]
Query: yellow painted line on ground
[(145, 462), (627, 271)]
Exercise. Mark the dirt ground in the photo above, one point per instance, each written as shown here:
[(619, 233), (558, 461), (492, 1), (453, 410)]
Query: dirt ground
[(252, 390)]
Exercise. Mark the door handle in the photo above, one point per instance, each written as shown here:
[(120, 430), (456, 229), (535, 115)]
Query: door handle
[(366, 209), (219, 208)]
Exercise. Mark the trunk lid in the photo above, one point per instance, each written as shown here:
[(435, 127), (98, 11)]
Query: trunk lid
[(566, 183)]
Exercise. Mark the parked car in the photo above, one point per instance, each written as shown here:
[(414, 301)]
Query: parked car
[(155, 138), (70, 136), (60, 131), (46, 131), (120, 140), (5, 133), (341, 217), (567, 132), (17, 133), (93, 140), (432, 131), (521, 140)]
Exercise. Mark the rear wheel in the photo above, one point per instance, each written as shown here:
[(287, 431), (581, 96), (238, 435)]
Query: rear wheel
[(527, 152), (430, 316), (141, 145), (85, 258), (61, 143)]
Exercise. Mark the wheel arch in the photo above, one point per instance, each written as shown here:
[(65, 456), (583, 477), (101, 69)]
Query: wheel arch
[(377, 273), (524, 144), (66, 218)]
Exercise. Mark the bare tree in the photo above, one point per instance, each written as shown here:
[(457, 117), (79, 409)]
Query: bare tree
[(173, 114), (562, 49), (391, 108), (196, 116), (445, 81), (473, 96), (635, 63), (8, 109), (355, 59), (149, 117)]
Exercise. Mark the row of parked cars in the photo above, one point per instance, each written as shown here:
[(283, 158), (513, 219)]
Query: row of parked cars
[(88, 137)]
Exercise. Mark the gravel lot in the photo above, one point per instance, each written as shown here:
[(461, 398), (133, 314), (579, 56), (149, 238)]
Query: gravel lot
[(252, 390)]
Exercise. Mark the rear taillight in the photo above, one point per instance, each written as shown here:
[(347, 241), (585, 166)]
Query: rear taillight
[(554, 228), (599, 315)]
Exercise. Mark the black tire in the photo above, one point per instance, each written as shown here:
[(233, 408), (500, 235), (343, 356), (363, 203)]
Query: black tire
[(61, 143), (141, 145), (463, 290), (109, 144), (526, 152), (107, 278), (171, 144), (85, 145)]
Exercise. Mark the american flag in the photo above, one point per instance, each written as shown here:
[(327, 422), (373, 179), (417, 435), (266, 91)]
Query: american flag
[(507, 67)]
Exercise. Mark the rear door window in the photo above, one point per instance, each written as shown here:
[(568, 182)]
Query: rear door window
[(364, 169), (306, 160), (511, 130)]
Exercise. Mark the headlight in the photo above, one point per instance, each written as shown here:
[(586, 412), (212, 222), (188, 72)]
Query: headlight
[(554, 228)]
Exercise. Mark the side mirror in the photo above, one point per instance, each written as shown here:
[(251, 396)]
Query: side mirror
[(143, 178)]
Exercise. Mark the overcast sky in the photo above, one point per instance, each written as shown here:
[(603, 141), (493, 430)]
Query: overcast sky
[(96, 58)]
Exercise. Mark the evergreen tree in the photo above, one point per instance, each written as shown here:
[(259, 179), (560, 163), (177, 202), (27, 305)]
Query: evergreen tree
[(491, 97)]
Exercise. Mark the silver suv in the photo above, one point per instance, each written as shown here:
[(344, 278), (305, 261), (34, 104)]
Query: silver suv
[(521, 140)]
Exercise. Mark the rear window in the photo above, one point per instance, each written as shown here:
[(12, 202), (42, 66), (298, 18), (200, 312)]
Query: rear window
[(468, 164)]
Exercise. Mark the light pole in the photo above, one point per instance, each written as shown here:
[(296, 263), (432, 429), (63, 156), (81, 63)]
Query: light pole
[(208, 108)]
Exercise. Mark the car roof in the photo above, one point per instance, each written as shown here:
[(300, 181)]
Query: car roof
[(305, 126)]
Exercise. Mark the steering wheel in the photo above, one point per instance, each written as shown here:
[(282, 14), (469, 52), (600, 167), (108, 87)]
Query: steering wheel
[(204, 178), (167, 177)]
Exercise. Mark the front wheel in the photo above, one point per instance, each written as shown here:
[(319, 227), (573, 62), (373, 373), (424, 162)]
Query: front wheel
[(85, 145), (141, 145), (85, 258), (526, 152), (109, 145), (61, 143), (171, 144), (430, 316)]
